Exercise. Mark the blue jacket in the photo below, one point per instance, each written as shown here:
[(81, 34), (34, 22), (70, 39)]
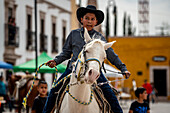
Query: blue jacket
[(74, 44), (2, 88)]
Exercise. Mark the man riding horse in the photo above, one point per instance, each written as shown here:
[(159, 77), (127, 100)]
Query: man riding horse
[(89, 17)]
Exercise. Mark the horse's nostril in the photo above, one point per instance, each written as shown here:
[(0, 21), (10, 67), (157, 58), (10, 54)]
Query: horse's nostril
[(97, 76), (90, 72)]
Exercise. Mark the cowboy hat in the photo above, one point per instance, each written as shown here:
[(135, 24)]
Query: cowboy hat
[(90, 9)]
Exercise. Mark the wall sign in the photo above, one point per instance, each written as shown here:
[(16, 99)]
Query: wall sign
[(159, 58)]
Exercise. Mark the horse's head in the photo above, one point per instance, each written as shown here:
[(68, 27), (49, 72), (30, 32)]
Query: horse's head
[(91, 57)]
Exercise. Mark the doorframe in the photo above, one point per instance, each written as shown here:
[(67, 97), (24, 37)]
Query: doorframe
[(151, 68)]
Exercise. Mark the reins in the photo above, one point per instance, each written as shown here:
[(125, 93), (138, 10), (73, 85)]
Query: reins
[(77, 100), (108, 82), (68, 86), (53, 85), (82, 63)]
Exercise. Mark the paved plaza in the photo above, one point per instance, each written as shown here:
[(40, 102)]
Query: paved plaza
[(159, 107)]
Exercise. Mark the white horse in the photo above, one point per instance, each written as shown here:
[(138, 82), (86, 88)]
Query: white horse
[(80, 98)]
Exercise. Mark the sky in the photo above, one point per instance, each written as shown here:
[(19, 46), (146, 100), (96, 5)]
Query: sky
[(159, 14)]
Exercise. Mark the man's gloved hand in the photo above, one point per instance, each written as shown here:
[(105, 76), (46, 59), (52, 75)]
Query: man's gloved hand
[(127, 74), (51, 63)]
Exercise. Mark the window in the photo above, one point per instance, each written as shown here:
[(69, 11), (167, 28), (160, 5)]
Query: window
[(43, 37), (9, 13), (54, 39), (30, 36), (64, 31), (12, 30), (29, 33)]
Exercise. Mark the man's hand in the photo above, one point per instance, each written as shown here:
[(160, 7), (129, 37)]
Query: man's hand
[(51, 63), (127, 74)]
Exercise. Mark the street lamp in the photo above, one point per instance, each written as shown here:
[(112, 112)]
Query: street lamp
[(36, 53)]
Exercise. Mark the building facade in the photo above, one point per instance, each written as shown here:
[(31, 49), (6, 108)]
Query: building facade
[(146, 58), (17, 28)]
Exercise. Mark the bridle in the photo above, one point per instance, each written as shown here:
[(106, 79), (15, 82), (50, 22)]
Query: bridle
[(81, 74), (84, 64)]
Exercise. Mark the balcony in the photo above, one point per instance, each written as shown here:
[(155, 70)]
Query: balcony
[(43, 42), (30, 44), (11, 35), (54, 44)]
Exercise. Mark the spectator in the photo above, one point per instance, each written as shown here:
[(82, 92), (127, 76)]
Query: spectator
[(140, 106), (11, 30), (2, 91), (154, 93), (13, 22), (40, 100), (148, 88)]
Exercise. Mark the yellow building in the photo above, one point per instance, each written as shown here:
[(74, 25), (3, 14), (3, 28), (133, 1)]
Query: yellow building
[(146, 58), (74, 21)]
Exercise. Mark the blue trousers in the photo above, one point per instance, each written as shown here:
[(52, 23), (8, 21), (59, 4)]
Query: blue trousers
[(107, 91)]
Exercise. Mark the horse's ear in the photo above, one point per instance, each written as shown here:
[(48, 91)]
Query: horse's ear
[(107, 45), (86, 35)]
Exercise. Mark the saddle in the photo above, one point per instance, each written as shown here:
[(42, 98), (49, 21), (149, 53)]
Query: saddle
[(98, 95), (21, 84)]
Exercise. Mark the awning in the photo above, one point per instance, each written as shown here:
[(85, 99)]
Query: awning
[(43, 58), (5, 65)]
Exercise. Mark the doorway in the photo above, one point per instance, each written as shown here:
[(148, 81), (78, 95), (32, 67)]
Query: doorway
[(160, 81), (159, 75)]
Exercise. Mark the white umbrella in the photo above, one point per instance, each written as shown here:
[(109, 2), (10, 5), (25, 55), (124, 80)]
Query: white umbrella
[(111, 74)]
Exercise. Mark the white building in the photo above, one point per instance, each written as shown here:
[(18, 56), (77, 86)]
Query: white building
[(18, 41)]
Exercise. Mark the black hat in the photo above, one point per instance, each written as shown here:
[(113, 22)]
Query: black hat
[(90, 9)]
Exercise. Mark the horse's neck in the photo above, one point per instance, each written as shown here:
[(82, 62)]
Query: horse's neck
[(81, 91)]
